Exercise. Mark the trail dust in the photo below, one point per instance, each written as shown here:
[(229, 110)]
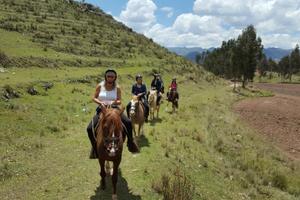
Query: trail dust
[(277, 118)]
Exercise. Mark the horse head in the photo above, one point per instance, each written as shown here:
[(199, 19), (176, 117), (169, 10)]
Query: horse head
[(111, 131), (152, 97), (134, 106)]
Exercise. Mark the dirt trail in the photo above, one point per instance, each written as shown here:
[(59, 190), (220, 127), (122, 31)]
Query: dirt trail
[(277, 118)]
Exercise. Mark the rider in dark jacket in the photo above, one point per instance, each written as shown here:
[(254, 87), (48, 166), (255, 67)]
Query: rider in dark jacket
[(157, 84), (139, 89)]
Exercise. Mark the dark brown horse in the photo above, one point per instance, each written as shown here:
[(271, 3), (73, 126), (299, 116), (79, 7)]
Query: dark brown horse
[(110, 144), (173, 97)]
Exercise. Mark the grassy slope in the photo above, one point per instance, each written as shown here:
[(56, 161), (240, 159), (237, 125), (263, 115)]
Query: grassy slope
[(56, 33), (44, 147)]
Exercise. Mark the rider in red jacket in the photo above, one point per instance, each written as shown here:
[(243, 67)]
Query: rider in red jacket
[(173, 86)]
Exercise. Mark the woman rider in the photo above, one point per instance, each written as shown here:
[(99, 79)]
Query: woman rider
[(172, 88), (139, 89), (157, 84), (108, 93)]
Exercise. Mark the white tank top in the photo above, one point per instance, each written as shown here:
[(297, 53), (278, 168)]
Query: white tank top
[(107, 96)]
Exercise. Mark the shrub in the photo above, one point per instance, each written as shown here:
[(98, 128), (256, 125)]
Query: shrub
[(7, 26), (5, 172), (175, 187), (4, 60), (39, 20), (53, 129), (279, 180)]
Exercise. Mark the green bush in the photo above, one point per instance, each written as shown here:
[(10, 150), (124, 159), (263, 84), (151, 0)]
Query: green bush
[(279, 180), (175, 187), (4, 60)]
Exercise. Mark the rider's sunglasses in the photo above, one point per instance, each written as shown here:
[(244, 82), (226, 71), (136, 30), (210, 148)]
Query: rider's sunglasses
[(110, 76)]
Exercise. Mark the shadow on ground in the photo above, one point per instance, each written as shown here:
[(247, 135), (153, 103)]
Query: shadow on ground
[(123, 191), (143, 141), (154, 121)]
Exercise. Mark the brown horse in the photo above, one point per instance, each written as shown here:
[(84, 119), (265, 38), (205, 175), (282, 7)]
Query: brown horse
[(110, 144), (137, 115), (173, 97), (152, 99)]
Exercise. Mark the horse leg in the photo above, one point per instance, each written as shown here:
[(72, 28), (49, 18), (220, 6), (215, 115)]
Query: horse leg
[(142, 127), (133, 128), (115, 177), (102, 173), (173, 107), (139, 131), (150, 112)]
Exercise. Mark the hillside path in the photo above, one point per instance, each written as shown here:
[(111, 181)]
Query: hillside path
[(277, 118)]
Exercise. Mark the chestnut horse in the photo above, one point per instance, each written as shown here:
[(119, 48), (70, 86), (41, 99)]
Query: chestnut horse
[(152, 99), (173, 97), (110, 140), (137, 115)]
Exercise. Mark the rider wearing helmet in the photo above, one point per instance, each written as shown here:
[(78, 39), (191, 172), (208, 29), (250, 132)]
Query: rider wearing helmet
[(108, 93), (157, 84), (139, 89)]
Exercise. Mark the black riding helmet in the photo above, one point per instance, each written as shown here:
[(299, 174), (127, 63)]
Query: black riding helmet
[(110, 70), (155, 75), (138, 76)]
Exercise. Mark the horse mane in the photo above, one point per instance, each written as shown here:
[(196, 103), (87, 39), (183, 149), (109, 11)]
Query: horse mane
[(112, 116), (135, 98)]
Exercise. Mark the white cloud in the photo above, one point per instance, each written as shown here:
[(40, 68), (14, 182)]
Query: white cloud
[(190, 23), (220, 7), (191, 31), (212, 21), (168, 11), (139, 14), (285, 41)]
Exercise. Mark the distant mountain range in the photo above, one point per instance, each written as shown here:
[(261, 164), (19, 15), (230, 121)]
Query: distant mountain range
[(191, 53)]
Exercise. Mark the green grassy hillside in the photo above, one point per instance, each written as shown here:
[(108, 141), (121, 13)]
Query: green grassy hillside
[(52, 33), (202, 152)]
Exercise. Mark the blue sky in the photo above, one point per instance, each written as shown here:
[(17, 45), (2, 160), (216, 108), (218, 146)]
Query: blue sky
[(206, 23), (115, 7)]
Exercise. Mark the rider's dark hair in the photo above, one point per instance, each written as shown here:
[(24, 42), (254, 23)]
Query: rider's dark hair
[(113, 71)]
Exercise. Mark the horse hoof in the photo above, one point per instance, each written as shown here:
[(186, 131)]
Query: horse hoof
[(114, 197)]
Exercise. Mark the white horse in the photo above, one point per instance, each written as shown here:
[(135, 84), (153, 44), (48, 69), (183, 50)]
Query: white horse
[(152, 99)]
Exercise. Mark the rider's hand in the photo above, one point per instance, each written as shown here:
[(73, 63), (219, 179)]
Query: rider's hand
[(102, 105)]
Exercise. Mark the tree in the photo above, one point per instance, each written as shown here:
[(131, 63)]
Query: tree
[(236, 58), (263, 67), (294, 66), (273, 67), (249, 52), (284, 65)]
